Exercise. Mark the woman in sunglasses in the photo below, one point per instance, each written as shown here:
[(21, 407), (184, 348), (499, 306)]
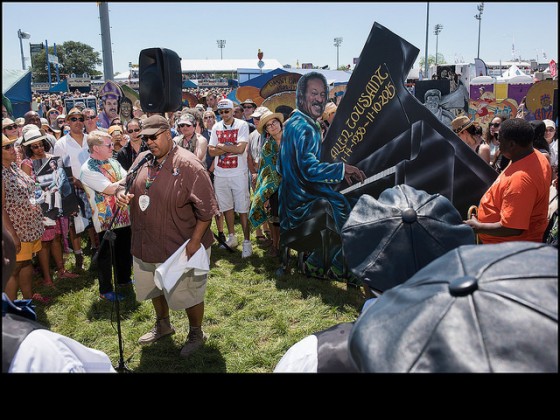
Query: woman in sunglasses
[(497, 160), (52, 116), (127, 154), (36, 149)]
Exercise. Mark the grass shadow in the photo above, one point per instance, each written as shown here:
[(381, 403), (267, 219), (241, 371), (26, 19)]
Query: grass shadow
[(164, 354)]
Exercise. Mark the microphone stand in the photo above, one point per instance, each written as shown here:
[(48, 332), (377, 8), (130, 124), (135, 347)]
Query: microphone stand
[(110, 236)]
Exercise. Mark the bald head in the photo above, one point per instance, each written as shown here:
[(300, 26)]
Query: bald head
[(32, 117)]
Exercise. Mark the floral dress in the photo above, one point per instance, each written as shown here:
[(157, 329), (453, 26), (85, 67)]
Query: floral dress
[(26, 216), (268, 181)]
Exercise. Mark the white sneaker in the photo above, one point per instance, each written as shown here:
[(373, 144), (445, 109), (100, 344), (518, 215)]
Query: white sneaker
[(47, 221), (247, 249), (231, 241)]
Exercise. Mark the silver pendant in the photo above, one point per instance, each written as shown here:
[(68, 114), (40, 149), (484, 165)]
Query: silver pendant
[(143, 202)]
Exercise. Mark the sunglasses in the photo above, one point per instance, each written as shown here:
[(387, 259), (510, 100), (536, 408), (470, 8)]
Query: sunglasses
[(109, 146), (248, 107), (74, 119), (183, 125), (10, 127), (38, 146), (495, 125), (209, 118), (270, 124), (60, 122), (153, 137), (224, 111), (135, 130), (91, 117), (8, 146)]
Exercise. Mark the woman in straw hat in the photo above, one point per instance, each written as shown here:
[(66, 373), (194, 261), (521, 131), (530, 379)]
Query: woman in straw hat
[(268, 179), (471, 136), (23, 219), (36, 148)]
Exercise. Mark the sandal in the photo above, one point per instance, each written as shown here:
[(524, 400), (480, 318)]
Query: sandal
[(48, 283), (40, 298), (64, 274)]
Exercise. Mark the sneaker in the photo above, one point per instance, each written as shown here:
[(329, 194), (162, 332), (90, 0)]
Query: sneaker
[(195, 340), (162, 328), (231, 241), (247, 249), (111, 296), (47, 221)]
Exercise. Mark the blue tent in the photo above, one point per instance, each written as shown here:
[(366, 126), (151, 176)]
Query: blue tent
[(61, 87), (16, 86), (189, 84), (260, 81)]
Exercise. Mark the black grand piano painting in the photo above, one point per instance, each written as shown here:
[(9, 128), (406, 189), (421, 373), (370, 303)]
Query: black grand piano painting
[(394, 139)]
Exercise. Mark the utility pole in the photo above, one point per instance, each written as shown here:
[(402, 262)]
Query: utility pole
[(480, 8), (437, 30), (427, 32), (337, 42), (106, 40), (221, 46)]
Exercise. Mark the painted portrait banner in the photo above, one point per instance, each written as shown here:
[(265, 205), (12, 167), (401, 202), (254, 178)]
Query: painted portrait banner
[(55, 190), (386, 132)]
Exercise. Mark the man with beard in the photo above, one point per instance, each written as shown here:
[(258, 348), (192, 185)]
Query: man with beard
[(110, 95), (171, 201)]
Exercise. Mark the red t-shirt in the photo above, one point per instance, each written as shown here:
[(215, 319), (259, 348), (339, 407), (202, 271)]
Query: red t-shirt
[(519, 199)]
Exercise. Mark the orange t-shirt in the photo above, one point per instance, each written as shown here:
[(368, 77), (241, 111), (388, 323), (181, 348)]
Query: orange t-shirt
[(519, 199)]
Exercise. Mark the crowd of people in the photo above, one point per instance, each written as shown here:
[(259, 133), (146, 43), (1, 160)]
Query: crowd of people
[(160, 180)]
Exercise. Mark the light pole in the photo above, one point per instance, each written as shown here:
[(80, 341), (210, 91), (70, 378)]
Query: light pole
[(427, 33), (480, 8), (221, 46), (437, 30), (22, 35), (337, 42)]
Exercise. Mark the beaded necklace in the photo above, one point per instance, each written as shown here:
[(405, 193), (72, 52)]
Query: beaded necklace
[(153, 171)]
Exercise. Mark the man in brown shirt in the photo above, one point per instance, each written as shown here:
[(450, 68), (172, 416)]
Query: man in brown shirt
[(171, 201)]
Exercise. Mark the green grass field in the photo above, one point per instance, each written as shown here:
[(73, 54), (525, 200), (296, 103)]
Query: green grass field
[(251, 315)]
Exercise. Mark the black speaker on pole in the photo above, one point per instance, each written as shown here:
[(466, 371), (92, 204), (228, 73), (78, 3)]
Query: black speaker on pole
[(160, 80)]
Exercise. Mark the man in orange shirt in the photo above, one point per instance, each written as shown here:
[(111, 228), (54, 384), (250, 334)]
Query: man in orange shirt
[(515, 207)]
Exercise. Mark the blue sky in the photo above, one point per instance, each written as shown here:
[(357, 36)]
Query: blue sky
[(286, 31)]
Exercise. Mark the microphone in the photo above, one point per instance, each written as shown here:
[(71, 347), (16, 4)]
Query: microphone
[(147, 158)]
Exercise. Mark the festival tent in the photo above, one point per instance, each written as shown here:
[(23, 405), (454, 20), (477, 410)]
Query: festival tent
[(189, 84), (513, 84), (60, 87), (512, 72), (334, 77), (260, 81), (16, 86)]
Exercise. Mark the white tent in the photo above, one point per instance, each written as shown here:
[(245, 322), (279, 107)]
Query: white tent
[(514, 75), (483, 80)]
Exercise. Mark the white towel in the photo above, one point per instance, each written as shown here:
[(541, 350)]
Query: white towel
[(168, 273)]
